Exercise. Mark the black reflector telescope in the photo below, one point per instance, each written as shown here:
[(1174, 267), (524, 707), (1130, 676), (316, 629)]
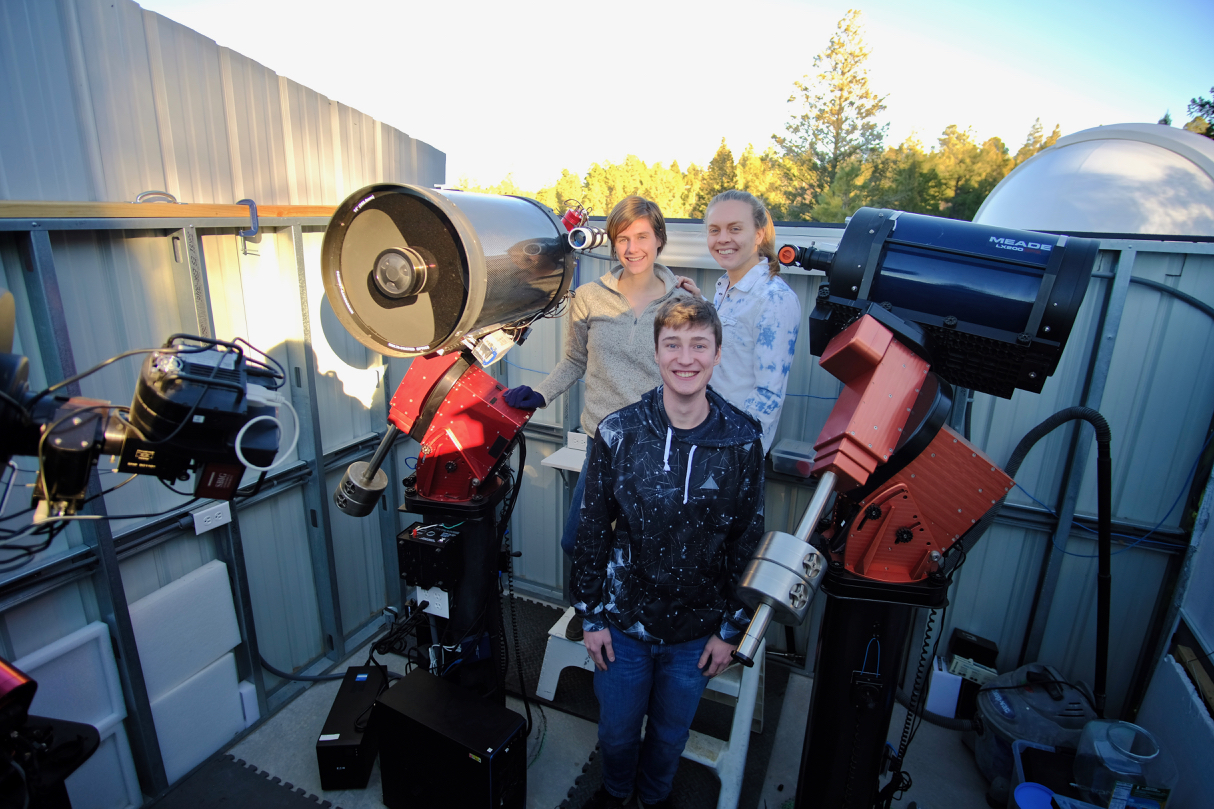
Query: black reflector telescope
[(996, 305), (412, 270)]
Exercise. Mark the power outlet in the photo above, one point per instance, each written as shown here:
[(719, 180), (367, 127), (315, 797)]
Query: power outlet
[(212, 516), (577, 441)]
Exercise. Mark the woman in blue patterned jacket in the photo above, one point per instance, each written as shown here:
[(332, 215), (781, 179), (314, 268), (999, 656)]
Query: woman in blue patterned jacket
[(760, 313)]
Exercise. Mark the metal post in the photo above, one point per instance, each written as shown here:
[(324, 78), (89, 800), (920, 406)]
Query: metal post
[(230, 550), (388, 513), (194, 297), (302, 375), (1076, 462)]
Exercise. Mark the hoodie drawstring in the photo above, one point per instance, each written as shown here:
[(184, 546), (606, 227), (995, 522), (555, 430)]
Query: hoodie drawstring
[(687, 482), (666, 463)]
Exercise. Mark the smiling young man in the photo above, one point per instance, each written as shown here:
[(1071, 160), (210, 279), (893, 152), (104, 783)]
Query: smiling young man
[(673, 511)]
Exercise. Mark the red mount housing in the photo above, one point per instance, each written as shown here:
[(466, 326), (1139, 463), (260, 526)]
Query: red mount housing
[(930, 503), (455, 411), (924, 508)]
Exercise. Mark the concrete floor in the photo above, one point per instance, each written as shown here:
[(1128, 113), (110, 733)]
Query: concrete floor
[(941, 767)]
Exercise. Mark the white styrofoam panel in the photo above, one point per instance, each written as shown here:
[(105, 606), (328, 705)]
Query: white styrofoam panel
[(146, 572), (1177, 716), (77, 678), (248, 703), (184, 627), (198, 717), (107, 780)]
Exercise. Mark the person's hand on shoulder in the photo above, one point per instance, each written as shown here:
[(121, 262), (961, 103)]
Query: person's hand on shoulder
[(524, 398), (683, 282), (598, 643), (716, 657)]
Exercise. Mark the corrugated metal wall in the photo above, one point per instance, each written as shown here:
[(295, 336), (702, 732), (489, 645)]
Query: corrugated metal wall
[(103, 101)]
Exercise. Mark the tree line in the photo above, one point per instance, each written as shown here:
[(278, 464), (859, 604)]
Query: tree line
[(831, 160)]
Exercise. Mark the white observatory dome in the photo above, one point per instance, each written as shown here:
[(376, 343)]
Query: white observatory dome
[(1123, 178)]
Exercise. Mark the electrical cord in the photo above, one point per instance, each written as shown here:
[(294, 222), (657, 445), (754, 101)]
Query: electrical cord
[(77, 377), (504, 534)]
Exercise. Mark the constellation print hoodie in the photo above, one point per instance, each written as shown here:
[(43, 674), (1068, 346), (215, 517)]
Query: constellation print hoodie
[(687, 508)]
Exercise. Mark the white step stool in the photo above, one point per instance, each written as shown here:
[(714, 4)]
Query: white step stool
[(738, 686)]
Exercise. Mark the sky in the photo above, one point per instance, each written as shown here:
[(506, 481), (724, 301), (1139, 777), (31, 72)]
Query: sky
[(527, 88)]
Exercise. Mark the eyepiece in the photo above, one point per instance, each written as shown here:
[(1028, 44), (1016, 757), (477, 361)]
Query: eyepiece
[(587, 238)]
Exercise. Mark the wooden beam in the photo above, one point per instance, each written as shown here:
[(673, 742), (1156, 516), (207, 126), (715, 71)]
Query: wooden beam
[(17, 209)]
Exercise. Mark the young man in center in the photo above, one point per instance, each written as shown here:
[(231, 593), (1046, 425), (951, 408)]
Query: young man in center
[(673, 511)]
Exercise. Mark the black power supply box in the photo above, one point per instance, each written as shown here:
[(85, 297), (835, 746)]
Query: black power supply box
[(443, 746), (345, 751)]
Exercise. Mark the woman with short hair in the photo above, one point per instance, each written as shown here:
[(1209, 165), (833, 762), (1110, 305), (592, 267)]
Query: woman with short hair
[(609, 338)]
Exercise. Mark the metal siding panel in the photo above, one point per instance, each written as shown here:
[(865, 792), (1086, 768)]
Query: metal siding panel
[(189, 112), (310, 152), (349, 375), (430, 165), (255, 129), (999, 424), (281, 586), (252, 297), (115, 61), (1197, 599), (1157, 404), (531, 362), (41, 156), (539, 519), (168, 561), (358, 553), (105, 101), (993, 591), (1070, 636)]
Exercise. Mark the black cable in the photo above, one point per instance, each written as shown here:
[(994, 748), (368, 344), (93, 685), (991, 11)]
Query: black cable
[(169, 486), (918, 691), (26, 553), (505, 534), (37, 396), (306, 678), (935, 648), (16, 405)]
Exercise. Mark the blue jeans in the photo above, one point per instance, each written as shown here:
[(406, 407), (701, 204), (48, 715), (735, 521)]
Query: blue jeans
[(663, 681)]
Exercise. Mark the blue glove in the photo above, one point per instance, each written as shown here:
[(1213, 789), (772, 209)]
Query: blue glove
[(523, 398)]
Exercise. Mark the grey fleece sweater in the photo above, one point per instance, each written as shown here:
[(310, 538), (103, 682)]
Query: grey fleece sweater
[(609, 346)]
